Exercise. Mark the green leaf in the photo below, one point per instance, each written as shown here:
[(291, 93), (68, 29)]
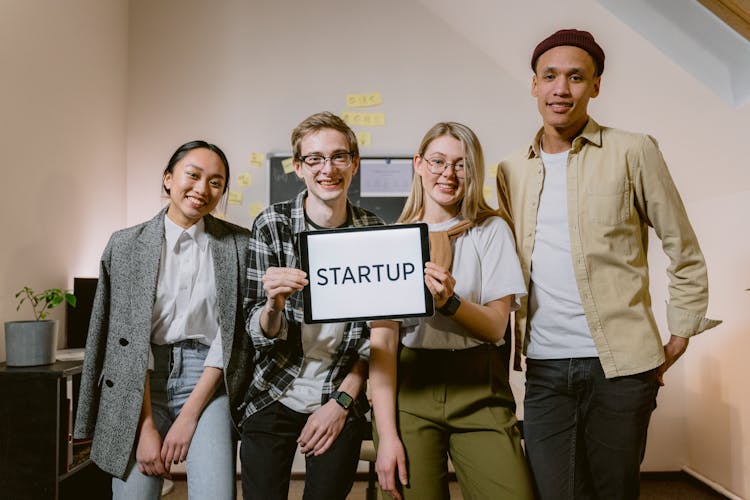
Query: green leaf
[(42, 302)]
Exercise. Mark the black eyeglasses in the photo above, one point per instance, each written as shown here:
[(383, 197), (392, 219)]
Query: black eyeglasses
[(316, 162), (439, 165)]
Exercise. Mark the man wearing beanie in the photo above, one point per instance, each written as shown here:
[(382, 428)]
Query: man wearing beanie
[(582, 197)]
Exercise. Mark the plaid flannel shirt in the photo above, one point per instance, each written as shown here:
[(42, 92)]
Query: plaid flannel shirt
[(278, 360)]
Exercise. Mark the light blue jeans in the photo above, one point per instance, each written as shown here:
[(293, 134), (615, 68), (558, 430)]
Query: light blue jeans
[(211, 469)]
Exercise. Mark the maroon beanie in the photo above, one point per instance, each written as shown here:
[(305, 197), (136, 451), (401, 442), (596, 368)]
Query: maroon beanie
[(576, 38)]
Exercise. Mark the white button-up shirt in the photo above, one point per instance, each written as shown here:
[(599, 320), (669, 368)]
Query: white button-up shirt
[(185, 305)]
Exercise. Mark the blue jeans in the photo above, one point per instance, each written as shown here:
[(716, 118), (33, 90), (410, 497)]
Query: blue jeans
[(210, 460), (269, 440), (585, 434)]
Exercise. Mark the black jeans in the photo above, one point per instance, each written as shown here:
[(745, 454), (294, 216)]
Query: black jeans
[(269, 440), (586, 434)]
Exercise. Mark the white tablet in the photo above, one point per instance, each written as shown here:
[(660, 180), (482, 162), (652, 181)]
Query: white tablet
[(366, 273)]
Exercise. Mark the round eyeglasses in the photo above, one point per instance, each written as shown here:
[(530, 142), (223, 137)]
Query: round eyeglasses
[(439, 165), (315, 162)]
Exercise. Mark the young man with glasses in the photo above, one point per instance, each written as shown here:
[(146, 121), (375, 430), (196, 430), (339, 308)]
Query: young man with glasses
[(582, 198), (308, 387)]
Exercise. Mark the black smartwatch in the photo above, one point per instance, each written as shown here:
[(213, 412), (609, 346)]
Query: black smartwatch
[(342, 399), (451, 306)]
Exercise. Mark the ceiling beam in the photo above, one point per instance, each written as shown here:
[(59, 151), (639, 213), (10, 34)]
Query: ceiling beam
[(736, 13)]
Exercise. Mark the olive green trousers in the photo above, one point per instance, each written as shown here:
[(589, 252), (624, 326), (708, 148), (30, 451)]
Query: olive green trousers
[(459, 404)]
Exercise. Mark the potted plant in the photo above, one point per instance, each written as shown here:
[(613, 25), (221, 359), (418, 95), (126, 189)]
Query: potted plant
[(30, 343)]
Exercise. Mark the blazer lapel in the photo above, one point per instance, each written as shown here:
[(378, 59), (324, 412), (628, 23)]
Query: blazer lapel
[(146, 270)]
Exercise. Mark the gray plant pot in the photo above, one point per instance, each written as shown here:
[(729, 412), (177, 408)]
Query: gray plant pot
[(30, 343)]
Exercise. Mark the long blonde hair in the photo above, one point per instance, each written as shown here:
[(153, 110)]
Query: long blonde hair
[(473, 205)]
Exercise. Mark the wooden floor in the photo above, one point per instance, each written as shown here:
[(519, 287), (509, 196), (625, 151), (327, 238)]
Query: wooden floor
[(659, 486), (296, 490)]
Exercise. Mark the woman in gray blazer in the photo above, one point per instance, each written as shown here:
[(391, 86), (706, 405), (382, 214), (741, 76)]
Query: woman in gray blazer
[(167, 359)]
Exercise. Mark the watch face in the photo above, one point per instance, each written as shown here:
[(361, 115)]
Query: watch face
[(344, 399)]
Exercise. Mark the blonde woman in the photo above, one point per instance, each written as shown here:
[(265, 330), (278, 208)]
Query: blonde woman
[(452, 398)]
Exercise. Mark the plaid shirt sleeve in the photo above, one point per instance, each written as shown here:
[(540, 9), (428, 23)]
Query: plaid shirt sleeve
[(265, 250), (271, 244)]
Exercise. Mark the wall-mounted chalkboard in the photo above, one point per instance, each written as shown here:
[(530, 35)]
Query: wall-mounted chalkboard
[(382, 188)]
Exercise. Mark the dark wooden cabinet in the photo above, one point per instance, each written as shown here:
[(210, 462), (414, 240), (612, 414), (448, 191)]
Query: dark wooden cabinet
[(37, 408)]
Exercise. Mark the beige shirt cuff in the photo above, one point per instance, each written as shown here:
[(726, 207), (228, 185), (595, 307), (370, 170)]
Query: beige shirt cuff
[(684, 323)]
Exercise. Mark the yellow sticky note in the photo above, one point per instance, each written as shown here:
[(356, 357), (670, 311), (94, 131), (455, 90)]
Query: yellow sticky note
[(364, 100), (254, 209), (257, 159), (347, 116), (364, 138), (287, 165), (245, 180), (354, 118), (235, 197), (492, 170), (378, 119), (374, 99)]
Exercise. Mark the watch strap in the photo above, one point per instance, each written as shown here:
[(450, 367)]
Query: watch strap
[(451, 305)]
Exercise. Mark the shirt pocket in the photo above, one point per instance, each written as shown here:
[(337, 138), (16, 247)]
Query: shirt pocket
[(608, 203)]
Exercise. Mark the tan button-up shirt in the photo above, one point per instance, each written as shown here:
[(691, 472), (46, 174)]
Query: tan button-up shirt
[(617, 185)]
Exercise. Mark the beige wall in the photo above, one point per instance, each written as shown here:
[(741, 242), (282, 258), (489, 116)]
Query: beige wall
[(717, 407), (243, 73), (62, 130)]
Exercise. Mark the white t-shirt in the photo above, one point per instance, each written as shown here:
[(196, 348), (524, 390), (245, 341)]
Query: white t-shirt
[(319, 344), (486, 268), (558, 322)]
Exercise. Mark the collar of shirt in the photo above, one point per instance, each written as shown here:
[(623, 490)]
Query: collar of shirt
[(591, 133), (197, 232), (445, 225), (354, 218)]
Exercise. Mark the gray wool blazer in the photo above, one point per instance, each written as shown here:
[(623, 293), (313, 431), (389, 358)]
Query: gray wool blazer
[(117, 346)]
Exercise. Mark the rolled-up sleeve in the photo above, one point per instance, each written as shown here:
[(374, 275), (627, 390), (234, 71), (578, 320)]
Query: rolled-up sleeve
[(260, 341), (215, 357)]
